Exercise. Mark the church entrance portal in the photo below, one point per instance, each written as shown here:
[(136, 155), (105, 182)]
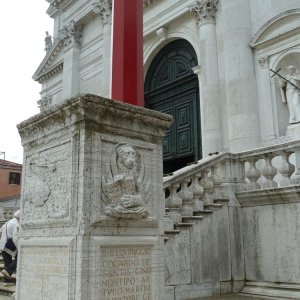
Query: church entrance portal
[(172, 87)]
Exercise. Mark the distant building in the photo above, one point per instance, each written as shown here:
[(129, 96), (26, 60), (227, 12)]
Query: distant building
[(10, 179)]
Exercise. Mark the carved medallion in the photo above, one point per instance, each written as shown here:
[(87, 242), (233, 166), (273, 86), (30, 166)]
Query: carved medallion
[(124, 187)]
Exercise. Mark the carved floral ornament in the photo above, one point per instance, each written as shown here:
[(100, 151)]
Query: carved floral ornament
[(205, 11)]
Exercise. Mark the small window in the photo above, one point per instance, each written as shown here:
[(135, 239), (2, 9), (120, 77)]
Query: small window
[(14, 178)]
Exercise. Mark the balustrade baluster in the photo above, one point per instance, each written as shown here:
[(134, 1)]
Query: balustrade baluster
[(187, 197), (174, 204), (296, 176), (286, 169), (197, 190), (269, 172), (217, 181), (208, 187), (252, 174)]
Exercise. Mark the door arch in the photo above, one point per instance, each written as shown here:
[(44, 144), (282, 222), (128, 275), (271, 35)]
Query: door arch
[(172, 87)]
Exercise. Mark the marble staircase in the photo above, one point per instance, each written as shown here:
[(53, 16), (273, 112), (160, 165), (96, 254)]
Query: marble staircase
[(208, 191)]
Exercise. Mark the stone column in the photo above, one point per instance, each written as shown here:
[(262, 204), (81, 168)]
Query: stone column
[(234, 33), (104, 9), (92, 209), (265, 99), (205, 15), (71, 35)]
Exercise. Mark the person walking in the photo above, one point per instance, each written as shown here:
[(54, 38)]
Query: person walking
[(9, 245)]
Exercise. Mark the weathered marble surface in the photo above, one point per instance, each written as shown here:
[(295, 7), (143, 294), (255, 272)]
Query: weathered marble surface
[(70, 247), (271, 242)]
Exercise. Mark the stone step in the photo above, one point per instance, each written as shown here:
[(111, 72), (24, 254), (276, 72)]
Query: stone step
[(213, 206), (221, 200), (183, 224), (172, 231), (202, 212), (280, 290), (191, 218)]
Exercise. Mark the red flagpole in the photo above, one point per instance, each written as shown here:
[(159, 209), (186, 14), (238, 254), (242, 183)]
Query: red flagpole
[(127, 83)]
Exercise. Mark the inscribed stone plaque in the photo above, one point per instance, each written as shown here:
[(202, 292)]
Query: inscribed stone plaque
[(44, 273), (126, 273)]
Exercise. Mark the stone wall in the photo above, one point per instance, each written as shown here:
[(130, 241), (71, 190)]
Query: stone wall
[(272, 240)]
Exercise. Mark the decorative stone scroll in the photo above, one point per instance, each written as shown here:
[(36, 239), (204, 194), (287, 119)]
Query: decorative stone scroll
[(124, 187), (104, 9), (205, 11)]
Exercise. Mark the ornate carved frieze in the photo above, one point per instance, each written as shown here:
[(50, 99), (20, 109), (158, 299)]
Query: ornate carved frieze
[(205, 11), (104, 9), (264, 61), (44, 103), (71, 34), (124, 186)]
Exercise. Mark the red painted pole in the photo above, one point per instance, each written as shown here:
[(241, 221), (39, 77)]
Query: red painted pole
[(127, 52)]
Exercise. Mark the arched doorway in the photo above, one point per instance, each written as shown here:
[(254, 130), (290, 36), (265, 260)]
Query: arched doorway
[(172, 87)]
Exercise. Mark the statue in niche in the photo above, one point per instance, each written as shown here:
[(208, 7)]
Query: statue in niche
[(290, 94), (124, 187)]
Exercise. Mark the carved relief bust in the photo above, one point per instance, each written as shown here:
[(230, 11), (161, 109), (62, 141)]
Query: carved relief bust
[(123, 186)]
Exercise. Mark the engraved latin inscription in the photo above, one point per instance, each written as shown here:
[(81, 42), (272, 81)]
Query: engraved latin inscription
[(44, 272), (126, 273)]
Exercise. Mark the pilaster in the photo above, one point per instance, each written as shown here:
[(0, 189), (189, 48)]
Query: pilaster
[(235, 32), (103, 8), (205, 15), (265, 98), (71, 35)]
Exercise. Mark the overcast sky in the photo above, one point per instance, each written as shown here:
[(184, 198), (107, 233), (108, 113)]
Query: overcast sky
[(22, 27)]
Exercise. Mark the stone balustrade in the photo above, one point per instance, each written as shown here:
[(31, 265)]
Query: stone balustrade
[(199, 185)]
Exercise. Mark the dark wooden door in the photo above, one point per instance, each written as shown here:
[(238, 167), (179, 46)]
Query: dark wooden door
[(171, 87)]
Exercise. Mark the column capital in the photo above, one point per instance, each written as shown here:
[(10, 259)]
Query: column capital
[(104, 9), (264, 61), (71, 34), (205, 11)]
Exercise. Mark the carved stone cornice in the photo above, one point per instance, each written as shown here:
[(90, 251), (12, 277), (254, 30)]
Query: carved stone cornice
[(104, 9), (205, 11), (71, 34), (51, 72)]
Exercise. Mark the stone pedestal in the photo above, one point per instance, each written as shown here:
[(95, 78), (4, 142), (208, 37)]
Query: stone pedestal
[(92, 202)]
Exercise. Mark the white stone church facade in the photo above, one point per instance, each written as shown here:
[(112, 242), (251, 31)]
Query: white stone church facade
[(235, 42), (231, 220)]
